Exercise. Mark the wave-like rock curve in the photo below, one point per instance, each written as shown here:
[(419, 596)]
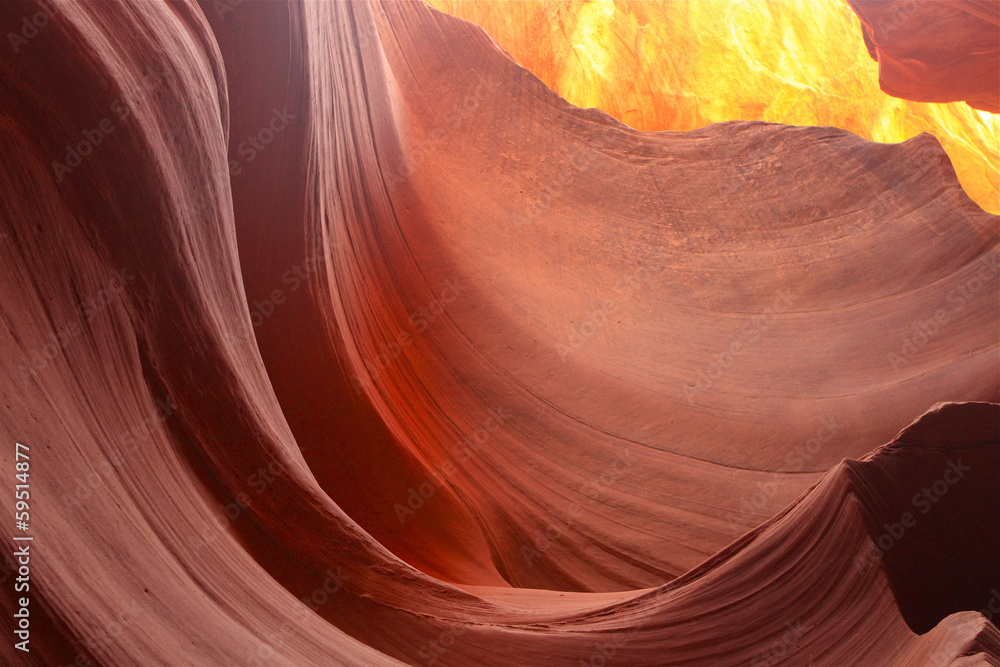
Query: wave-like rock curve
[(358, 345)]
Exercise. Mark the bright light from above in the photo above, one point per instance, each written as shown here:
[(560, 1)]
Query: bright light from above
[(682, 65)]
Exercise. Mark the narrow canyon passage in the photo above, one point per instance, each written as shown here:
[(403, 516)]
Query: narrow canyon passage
[(346, 333)]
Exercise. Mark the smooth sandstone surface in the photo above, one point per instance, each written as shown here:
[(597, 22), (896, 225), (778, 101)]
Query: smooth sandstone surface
[(936, 51), (350, 342)]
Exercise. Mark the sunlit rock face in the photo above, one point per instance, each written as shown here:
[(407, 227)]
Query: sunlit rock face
[(683, 65), (338, 337), (935, 51)]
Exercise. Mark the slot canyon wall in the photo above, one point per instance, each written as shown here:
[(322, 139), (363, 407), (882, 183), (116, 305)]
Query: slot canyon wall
[(333, 335)]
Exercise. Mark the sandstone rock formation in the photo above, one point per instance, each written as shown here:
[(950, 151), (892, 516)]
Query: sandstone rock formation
[(338, 338), (683, 65), (935, 51)]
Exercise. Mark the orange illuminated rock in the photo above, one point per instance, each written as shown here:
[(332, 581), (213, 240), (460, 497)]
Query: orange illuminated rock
[(935, 51), (683, 65), (356, 344)]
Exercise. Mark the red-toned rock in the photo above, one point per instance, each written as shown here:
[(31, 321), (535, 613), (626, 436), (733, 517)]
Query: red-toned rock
[(944, 51), (508, 312)]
